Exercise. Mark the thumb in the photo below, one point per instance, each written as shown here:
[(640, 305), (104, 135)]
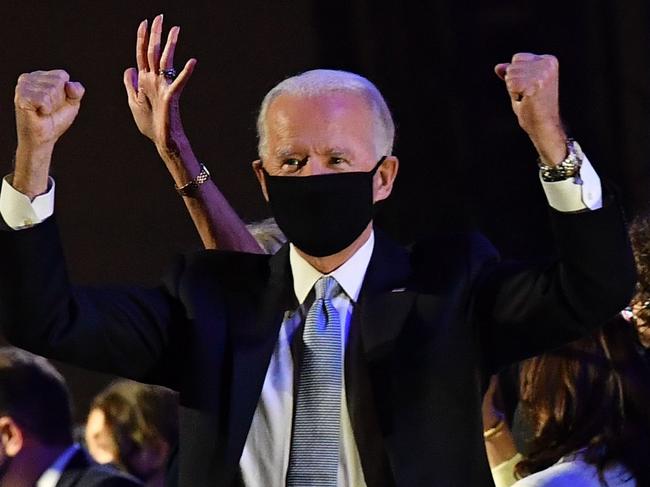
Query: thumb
[(500, 70), (74, 91)]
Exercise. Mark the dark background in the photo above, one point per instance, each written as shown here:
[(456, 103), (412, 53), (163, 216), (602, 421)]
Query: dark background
[(465, 162)]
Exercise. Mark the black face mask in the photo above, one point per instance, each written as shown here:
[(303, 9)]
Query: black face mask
[(323, 214)]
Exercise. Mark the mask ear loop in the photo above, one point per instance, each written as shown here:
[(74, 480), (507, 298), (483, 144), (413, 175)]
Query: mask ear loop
[(379, 163)]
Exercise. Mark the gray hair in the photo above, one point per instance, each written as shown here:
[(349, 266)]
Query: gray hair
[(321, 81), (268, 235)]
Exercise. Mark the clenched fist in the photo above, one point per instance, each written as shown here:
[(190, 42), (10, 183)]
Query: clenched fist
[(532, 83), (47, 103)]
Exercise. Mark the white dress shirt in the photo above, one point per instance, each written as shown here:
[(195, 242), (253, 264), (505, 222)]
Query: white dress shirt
[(53, 474), (266, 452)]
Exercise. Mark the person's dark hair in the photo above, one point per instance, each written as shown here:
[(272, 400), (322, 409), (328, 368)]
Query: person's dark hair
[(640, 238), (35, 396), (593, 394), (138, 416)]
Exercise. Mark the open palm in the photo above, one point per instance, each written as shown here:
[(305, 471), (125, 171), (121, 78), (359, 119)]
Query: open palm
[(153, 97)]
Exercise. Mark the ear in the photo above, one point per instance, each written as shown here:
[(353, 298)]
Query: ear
[(384, 178), (261, 177), (11, 436)]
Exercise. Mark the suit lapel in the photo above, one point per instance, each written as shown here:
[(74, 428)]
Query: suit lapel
[(385, 300), (255, 333), (384, 304)]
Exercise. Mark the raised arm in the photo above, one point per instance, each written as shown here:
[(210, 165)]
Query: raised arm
[(526, 310), (123, 331), (154, 92), (47, 103)]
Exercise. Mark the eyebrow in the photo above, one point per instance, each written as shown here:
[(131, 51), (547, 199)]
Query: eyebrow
[(285, 152), (333, 151)]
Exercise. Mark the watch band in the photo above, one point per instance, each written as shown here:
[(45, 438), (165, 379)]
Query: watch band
[(190, 188), (568, 168)]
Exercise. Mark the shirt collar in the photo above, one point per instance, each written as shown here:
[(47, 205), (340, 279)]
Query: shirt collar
[(349, 275), (53, 474)]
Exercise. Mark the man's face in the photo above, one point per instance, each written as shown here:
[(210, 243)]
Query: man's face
[(319, 135)]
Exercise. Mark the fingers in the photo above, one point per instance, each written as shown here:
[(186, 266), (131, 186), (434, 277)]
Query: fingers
[(183, 77), (131, 83), (41, 91), (500, 70), (527, 73), (153, 51), (167, 58), (74, 92), (141, 47)]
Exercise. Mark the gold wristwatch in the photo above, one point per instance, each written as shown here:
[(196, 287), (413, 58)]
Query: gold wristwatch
[(568, 168), (190, 188)]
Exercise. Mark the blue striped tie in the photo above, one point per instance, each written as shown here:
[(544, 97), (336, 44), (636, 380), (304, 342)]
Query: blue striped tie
[(314, 457)]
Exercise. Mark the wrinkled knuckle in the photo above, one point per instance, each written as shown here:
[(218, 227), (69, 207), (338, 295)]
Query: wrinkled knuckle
[(520, 56), (61, 74), (551, 59)]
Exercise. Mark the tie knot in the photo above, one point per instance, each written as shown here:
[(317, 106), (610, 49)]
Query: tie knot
[(326, 287)]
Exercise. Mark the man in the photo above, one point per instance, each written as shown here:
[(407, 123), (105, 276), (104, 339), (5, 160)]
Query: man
[(36, 446), (343, 359)]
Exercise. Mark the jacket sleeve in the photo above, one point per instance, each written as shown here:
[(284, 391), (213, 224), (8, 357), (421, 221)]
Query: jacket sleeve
[(522, 310), (124, 331)]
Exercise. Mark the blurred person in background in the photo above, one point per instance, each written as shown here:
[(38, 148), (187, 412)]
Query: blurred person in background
[(36, 447), (135, 427), (638, 312), (586, 405)]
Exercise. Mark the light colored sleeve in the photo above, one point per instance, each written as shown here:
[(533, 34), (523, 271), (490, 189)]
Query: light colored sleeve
[(570, 195), (504, 473), (19, 212)]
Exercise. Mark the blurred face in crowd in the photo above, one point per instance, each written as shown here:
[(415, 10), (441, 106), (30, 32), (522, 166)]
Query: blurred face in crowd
[(144, 462), (99, 440)]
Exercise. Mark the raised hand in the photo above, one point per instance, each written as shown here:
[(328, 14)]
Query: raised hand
[(532, 82), (152, 89), (46, 104)]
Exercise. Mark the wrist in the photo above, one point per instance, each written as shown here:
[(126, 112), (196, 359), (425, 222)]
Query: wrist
[(32, 166), (180, 161), (550, 143), (496, 429)]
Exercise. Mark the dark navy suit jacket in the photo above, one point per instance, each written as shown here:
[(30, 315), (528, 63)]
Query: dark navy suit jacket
[(432, 323)]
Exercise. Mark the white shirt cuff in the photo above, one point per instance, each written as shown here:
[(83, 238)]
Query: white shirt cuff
[(19, 212), (568, 196)]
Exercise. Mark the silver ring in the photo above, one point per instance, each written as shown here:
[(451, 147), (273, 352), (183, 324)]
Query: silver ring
[(169, 74)]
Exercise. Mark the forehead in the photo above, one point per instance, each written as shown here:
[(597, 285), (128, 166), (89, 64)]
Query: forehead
[(335, 119)]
